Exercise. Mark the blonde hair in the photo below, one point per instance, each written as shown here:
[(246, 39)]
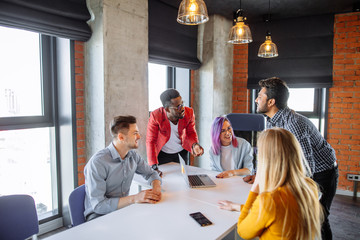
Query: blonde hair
[(282, 164)]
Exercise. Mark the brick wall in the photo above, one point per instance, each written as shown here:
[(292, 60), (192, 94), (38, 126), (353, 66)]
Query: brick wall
[(344, 104), (80, 110), (241, 95)]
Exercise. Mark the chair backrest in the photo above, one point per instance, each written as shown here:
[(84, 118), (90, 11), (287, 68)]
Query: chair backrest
[(76, 205), (18, 217), (247, 121), (247, 125)]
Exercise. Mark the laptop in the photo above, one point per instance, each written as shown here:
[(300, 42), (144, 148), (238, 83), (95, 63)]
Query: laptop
[(197, 180)]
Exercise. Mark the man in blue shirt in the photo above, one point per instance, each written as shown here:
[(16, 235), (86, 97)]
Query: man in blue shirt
[(272, 102), (109, 173)]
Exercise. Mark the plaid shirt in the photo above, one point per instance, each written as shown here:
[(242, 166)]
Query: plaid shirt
[(318, 152)]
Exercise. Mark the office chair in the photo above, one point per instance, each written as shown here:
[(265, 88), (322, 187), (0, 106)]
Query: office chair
[(247, 121), (246, 125), (76, 205), (18, 217)]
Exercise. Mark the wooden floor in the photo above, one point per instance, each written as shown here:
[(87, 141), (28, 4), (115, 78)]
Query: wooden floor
[(345, 218)]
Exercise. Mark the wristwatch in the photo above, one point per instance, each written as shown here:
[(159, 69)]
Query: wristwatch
[(155, 167)]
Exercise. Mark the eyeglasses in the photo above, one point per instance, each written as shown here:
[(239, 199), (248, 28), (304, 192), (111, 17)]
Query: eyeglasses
[(229, 129), (178, 107)]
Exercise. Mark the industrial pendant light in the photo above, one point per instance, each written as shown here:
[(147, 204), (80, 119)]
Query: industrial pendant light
[(192, 12), (268, 49), (240, 32)]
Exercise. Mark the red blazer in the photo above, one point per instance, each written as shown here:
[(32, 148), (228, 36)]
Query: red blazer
[(158, 132)]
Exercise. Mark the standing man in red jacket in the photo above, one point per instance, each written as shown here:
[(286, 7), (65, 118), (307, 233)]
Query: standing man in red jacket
[(171, 131)]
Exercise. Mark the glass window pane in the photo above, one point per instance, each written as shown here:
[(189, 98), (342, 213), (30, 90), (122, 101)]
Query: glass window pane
[(183, 84), (157, 84), (20, 78), (27, 166), (302, 99), (315, 121)]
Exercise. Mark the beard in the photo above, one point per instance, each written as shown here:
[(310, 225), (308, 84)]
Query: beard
[(181, 115), (262, 109), (133, 145)]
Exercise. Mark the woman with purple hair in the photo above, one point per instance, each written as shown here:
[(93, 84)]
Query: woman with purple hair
[(229, 155)]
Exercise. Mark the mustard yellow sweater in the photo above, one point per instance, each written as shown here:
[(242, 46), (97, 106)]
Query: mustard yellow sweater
[(267, 220)]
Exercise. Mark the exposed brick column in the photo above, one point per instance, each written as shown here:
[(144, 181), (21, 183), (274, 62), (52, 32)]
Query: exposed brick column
[(80, 110), (344, 99), (192, 87), (241, 95)]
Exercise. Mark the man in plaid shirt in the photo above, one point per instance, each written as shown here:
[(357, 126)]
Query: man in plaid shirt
[(272, 102)]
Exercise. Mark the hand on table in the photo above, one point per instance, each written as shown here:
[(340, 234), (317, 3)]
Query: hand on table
[(226, 174), (249, 179), (228, 205), (148, 196)]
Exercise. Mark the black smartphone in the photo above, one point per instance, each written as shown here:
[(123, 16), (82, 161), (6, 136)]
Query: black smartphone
[(201, 219)]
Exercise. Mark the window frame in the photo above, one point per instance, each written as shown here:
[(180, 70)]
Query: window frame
[(47, 84)]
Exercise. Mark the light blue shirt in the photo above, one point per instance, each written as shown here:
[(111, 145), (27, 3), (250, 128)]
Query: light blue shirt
[(108, 178), (242, 155)]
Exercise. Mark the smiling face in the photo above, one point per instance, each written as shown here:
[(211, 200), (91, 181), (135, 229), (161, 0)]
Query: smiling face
[(132, 137), (177, 110), (226, 134)]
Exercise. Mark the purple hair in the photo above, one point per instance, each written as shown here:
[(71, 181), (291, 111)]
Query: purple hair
[(215, 134)]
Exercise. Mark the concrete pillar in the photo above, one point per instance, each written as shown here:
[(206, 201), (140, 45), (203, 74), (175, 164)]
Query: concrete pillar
[(213, 81), (116, 69)]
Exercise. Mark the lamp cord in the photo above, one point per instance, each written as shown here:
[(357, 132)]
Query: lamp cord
[(268, 21)]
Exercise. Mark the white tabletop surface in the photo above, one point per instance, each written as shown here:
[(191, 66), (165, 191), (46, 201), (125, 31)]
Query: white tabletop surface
[(169, 219)]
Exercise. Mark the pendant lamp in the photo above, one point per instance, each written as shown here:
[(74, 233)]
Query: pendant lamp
[(268, 49), (192, 12), (240, 32)]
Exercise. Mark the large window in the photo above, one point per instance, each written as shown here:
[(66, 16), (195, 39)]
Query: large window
[(306, 101), (27, 128), (162, 77), (310, 102), (157, 84)]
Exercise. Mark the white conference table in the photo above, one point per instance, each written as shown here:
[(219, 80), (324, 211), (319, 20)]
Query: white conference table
[(169, 219)]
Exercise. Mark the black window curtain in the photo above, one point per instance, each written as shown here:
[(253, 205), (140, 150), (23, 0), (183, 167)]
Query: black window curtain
[(171, 43), (60, 18), (305, 48)]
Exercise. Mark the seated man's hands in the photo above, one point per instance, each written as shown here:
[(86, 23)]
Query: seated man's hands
[(249, 179), (148, 196), (226, 174), (197, 150)]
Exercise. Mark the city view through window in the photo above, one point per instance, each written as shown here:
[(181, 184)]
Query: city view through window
[(26, 155)]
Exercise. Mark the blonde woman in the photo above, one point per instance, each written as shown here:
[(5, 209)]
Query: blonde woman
[(283, 202)]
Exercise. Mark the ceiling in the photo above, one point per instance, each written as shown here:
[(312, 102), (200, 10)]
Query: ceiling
[(254, 10)]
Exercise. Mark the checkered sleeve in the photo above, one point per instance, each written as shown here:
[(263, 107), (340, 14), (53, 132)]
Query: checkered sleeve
[(303, 135)]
